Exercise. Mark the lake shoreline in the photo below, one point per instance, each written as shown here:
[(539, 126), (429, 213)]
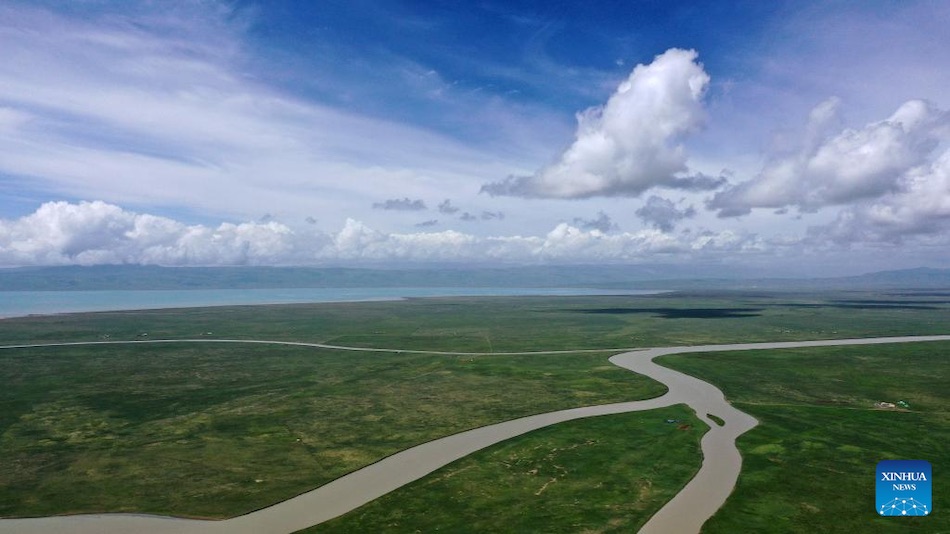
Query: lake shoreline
[(15, 304)]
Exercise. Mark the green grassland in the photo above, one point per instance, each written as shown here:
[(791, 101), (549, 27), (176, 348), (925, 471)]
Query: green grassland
[(212, 430), (215, 431), (810, 464), (493, 324), (603, 474)]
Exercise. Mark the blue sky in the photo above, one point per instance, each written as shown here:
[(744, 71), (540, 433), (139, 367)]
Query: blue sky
[(795, 138)]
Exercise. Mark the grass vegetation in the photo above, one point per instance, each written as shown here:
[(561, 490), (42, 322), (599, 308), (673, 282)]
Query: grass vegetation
[(497, 324), (233, 428), (716, 419), (212, 430), (810, 464), (603, 474)]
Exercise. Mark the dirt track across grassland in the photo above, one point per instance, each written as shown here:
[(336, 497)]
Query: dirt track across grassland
[(685, 513)]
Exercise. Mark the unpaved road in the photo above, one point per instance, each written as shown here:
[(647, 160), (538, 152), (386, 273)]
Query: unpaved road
[(685, 513)]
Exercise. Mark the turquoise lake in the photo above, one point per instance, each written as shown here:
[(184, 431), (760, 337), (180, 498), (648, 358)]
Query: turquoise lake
[(20, 303)]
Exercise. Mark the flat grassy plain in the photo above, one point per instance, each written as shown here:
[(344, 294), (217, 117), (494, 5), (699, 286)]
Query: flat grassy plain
[(810, 464), (219, 430), (212, 430), (499, 324), (603, 474)]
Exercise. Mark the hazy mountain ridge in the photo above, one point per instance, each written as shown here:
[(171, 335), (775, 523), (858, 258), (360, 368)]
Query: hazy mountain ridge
[(595, 276)]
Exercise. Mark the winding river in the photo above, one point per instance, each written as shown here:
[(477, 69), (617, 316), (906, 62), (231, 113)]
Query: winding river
[(685, 513)]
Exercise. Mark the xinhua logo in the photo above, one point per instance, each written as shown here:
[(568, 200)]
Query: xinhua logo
[(903, 488)]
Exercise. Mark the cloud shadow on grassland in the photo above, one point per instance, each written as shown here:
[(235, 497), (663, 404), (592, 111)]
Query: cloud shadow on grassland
[(680, 313)]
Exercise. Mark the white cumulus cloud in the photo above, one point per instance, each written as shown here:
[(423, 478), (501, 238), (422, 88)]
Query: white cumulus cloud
[(88, 233), (839, 169), (918, 210), (630, 144)]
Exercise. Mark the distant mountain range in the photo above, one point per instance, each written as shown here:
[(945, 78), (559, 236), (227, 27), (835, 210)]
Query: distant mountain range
[(593, 276)]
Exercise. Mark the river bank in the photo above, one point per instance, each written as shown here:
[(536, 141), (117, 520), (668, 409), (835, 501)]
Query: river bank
[(684, 513)]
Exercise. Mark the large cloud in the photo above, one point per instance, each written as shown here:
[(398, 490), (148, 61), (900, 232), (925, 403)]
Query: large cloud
[(630, 144), (836, 169), (88, 233), (919, 209)]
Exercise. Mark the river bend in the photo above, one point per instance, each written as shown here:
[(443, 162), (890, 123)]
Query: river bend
[(685, 513)]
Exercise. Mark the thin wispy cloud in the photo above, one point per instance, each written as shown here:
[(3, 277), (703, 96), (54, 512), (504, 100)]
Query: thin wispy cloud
[(148, 108)]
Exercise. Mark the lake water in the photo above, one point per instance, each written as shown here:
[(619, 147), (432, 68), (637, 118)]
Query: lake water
[(20, 303)]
